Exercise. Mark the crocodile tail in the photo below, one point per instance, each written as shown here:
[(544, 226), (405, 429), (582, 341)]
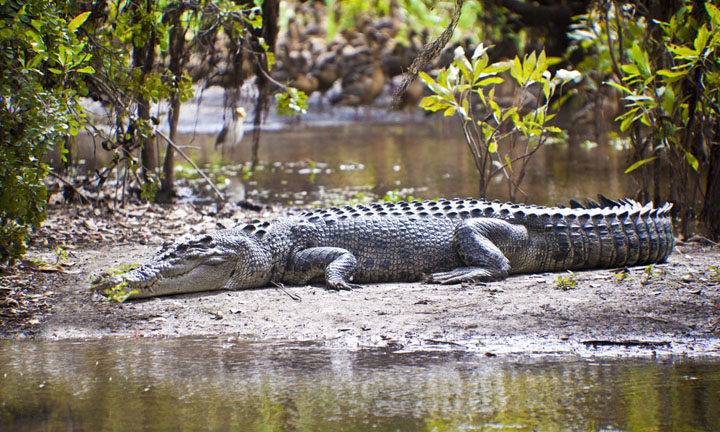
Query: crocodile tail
[(626, 235)]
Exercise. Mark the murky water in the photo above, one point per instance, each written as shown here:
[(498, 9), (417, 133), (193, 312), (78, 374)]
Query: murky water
[(214, 384), (424, 158)]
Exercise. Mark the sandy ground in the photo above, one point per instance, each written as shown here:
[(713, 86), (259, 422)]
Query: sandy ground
[(671, 308)]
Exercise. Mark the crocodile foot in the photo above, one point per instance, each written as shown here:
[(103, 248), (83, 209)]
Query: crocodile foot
[(467, 274)]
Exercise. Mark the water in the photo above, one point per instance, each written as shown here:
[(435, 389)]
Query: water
[(426, 158), (216, 384)]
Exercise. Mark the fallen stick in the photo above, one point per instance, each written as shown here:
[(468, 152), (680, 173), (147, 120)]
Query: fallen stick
[(626, 343)]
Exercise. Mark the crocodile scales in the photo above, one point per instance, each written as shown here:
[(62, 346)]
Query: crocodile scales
[(443, 241)]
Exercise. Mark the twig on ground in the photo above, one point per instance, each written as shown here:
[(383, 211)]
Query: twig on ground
[(281, 287)]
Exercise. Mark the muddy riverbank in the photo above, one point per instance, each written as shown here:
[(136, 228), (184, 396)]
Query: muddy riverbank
[(670, 308)]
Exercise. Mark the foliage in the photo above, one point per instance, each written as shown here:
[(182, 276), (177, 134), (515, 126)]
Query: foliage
[(127, 54), (667, 69), (117, 293), (392, 196), (622, 274), (651, 273), (42, 63), (566, 283), (291, 101), (501, 139), (143, 48), (396, 195), (714, 273), (413, 17)]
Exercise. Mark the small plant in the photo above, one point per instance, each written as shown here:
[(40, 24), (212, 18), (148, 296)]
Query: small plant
[(313, 170), (396, 196), (359, 198), (714, 273), (651, 273), (502, 140), (117, 293), (566, 283), (61, 255), (622, 274)]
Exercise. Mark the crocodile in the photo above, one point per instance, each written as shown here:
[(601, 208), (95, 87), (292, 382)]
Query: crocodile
[(441, 241)]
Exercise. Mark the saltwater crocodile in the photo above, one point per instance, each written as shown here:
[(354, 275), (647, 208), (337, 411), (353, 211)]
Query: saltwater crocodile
[(444, 241)]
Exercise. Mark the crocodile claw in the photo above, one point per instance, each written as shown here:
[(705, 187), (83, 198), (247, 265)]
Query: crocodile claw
[(465, 274), (342, 286)]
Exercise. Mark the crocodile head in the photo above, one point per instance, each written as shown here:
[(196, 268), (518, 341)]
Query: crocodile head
[(223, 259)]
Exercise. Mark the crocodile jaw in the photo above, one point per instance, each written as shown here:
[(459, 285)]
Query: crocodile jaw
[(161, 278)]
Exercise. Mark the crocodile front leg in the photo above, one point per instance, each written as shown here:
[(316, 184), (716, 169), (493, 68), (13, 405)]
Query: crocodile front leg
[(336, 264), (477, 242)]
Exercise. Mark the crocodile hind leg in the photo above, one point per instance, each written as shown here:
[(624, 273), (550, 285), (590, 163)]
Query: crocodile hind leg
[(477, 243), (336, 264)]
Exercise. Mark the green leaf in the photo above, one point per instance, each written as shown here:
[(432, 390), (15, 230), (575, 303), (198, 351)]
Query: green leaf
[(78, 21), (683, 51), (497, 112), (701, 39), (492, 146), (498, 67), (692, 160), (36, 41), (714, 13), (427, 79), (479, 51), (542, 62), (630, 69), (618, 86), (516, 70), (488, 81), (671, 73), (509, 113), (628, 118), (529, 66), (36, 60), (464, 64), (640, 163), (86, 69), (433, 103)]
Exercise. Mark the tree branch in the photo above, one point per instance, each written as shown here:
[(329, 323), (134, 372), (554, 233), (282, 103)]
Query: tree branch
[(181, 153)]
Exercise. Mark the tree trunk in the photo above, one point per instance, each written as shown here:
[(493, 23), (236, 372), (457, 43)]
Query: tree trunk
[(711, 206), (167, 187), (268, 32), (143, 58), (176, 49)]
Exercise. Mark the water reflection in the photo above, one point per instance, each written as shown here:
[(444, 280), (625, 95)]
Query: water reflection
[(428, 159), (215, 384)]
